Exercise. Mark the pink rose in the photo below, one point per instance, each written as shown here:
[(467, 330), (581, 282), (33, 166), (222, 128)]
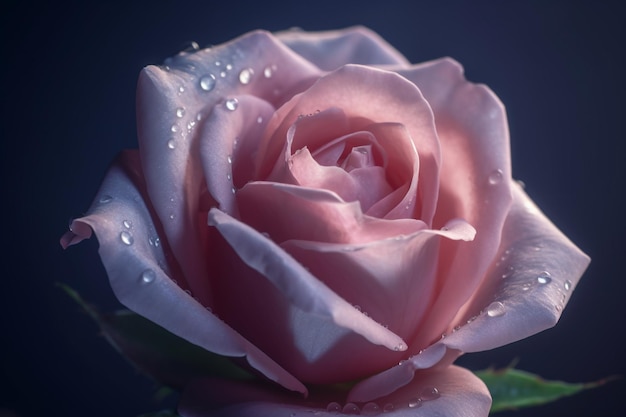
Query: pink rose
[(316, 204)]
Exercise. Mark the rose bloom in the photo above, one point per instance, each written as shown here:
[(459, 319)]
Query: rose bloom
[(340, 222)]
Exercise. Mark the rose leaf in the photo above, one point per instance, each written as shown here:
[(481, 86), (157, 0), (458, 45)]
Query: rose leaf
[(169, 359), (513, 388)]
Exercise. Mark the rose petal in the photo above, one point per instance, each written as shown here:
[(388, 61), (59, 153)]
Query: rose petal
[(313, 214), (475, 186), (525, 302), (330, 50), (397, 101), (391, 280), (541, 268), (298, 285), (458, 393), (173, 101), (140, 272), (228, 140)]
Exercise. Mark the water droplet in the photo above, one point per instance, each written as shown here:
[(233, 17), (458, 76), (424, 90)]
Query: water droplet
[(544, 278), (429, 394), (218, 63), (229, 67), (148, 276), (567, 285), (389, 407), (105, 199), (127, 224), (199, 117), (229, 177), (180, 112), (231, 104), (495, 177), (496, 309), (259, 120), (171, 216), (415, 402), (357, 307), (157, 242), (126, 238), (229, 158), (181, 89), (333, 407), (350, 408), (456, 328), (174, 128), (223, 74), (269, 71), (171, 144), (207, 82), (370, 409), (233, 190), (526, 286), (245, 76), (400, 347)]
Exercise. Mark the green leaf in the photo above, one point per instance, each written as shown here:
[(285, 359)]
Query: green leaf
[(513, 388), (162, 355)]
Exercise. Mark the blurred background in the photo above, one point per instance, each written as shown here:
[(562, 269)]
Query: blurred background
[(68, 94)]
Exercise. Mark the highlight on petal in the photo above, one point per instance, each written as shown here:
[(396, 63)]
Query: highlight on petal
[(330, 50), (528, 287), (228, 139), (140, 272), (296, 283), (174, 101)]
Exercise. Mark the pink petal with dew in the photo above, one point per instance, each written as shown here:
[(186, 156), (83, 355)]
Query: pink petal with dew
[(523, 293), (228, 141), (330, 50), (451, 391), (174, 101), (350, 89), (141, 271), (475, 183)]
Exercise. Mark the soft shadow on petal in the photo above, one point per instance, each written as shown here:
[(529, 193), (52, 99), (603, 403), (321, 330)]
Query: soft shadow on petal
[(296, 283), (451, 391), (475, 181), (330, 50), (139, 272)]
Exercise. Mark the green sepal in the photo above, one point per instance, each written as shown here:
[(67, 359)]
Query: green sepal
[(167, 358), (512, 388)]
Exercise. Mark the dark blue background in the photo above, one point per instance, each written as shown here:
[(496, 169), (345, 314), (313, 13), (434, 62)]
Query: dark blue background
[(68, 77)]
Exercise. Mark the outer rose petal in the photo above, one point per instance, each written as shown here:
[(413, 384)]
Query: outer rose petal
[(460, 394), (172, 104), (333, 49), (140, 272), (475, 182), (514, 307)]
